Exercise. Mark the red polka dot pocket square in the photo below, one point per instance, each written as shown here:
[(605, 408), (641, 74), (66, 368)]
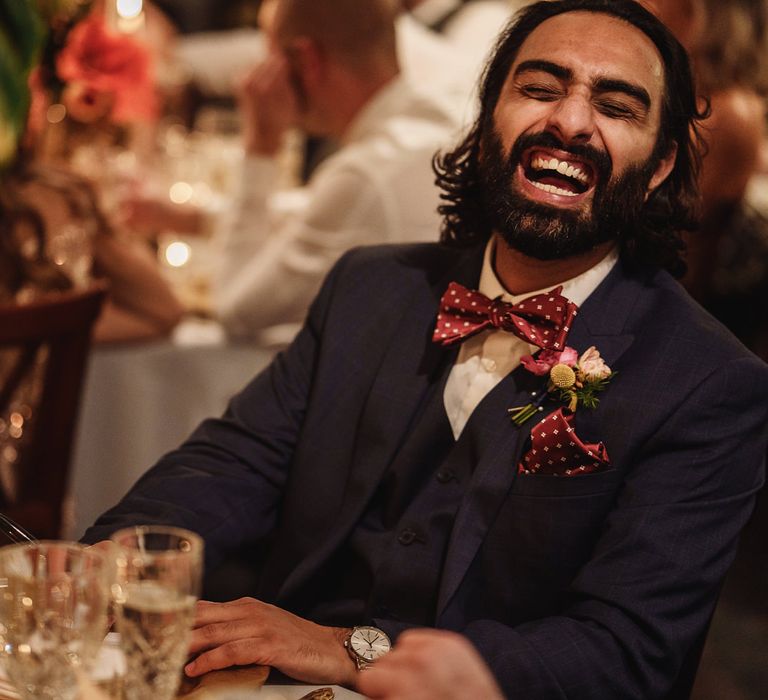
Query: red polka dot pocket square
[(556, 450)]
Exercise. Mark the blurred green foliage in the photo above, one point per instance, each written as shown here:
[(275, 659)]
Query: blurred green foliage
[(22, 35)]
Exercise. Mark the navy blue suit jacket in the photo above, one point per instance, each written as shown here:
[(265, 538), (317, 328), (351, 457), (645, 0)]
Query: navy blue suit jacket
[(593, 586)]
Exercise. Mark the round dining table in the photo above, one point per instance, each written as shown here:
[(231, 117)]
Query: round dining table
[(140, 401)]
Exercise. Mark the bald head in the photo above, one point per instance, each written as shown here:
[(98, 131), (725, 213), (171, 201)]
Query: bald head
[(358, 32)]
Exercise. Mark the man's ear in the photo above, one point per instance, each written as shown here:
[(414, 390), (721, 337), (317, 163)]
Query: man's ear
[(663, 169)]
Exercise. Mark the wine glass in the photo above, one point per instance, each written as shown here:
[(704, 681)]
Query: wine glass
[(159, 579), (53, 615)]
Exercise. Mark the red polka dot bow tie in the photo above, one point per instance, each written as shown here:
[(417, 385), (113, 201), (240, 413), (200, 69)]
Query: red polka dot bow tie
[(542, 320)]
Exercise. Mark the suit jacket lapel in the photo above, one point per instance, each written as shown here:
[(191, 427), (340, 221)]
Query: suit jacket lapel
[(410, 365), (501, 444), (600, 322), (602, 319)]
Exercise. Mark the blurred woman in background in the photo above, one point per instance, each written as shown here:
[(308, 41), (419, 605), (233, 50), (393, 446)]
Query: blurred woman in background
[(728, 256), (53, 232), (728, 274)]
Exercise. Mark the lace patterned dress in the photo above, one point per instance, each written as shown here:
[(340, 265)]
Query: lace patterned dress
[(36, 259)]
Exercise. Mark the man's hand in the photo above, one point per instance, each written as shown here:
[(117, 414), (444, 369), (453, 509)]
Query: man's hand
[(268, 105), (428, 664), (247, 631)]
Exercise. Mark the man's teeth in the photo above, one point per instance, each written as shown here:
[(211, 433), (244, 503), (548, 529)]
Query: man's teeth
[(561, 166), (552, 189)]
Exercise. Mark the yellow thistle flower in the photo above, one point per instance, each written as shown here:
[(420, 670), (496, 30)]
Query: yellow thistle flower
[(562, 376)]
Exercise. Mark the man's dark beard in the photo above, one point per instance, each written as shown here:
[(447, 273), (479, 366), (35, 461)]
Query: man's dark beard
[(547, 232)]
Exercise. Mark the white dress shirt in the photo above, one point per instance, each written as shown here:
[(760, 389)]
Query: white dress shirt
[(377, 188), (486, 358)]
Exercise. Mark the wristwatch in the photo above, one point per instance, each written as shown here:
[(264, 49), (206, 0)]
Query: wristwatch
[(366, 644)]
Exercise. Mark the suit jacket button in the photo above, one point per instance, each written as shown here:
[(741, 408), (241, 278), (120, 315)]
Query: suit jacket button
[(406, 537), (445, 475)]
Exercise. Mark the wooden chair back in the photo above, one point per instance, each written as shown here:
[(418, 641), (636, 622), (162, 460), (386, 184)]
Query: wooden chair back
[(44, 347)]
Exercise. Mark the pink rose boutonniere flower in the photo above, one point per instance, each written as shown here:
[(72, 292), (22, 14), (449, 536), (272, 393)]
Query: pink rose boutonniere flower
[(592, 367), (575, 379), (543, 363)]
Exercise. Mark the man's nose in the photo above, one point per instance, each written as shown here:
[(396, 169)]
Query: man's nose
[(572, 119)]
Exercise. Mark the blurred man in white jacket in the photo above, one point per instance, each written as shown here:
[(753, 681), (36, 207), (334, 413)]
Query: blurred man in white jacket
[(332, 71)]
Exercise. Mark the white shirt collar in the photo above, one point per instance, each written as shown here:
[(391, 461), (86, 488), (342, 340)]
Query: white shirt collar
[(576, 289)]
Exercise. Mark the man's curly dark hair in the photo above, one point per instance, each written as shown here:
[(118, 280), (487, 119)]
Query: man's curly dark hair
[(670, 209)]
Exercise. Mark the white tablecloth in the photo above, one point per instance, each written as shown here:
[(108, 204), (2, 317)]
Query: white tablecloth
[(111, 663), (142, 401)]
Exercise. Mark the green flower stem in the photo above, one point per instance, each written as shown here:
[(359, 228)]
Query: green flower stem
[(520, 414)]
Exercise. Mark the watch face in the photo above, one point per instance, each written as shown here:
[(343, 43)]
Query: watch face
[(369, 643)]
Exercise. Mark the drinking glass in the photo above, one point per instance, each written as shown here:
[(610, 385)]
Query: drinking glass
[(53, 615), (159, 578)]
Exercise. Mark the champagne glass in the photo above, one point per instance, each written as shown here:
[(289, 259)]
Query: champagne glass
[(159, 579), (53, 615)]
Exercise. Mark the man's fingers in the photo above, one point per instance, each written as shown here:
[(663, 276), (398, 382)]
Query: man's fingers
[(229, 604), (222, 633), (217, 633), (207, 612), (239, 653), (263, 79)]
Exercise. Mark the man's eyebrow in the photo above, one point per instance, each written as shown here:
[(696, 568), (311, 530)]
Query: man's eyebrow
[(546, 66), (616, 85), (600, 85)]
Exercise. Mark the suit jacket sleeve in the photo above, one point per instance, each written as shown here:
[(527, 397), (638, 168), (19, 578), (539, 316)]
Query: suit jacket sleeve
[(226, 481), (646, 595)]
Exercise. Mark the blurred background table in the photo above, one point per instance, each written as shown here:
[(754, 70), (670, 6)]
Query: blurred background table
[(142, 400)]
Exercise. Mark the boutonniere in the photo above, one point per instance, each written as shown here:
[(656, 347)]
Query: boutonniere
[(575, 380)]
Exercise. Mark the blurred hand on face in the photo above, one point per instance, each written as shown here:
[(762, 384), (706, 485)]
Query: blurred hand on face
[(268, 104)]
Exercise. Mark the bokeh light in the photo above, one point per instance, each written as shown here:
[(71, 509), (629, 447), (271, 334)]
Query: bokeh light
[(128, 9), (177, 254)]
